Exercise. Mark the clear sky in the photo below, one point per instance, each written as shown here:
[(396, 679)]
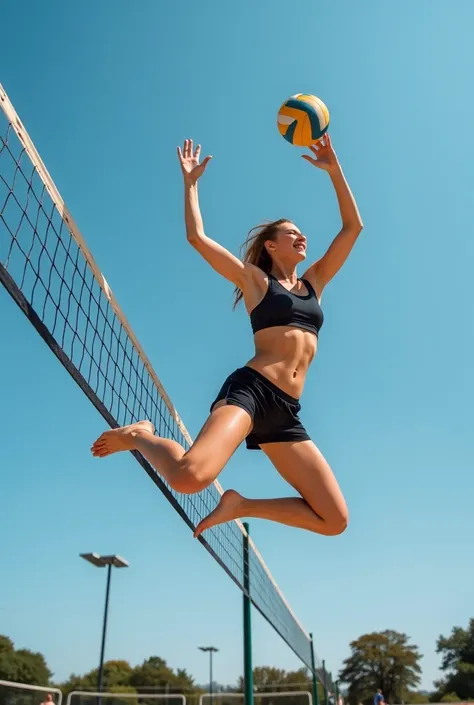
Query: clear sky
[(107, 90)]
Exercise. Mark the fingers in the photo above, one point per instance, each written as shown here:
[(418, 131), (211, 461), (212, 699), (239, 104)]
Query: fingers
[(180, 154), (205, 162), (188, 148), (187, 151), (324, 141), (309, 159)]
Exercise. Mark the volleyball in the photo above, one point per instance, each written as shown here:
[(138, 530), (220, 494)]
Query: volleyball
[(303, 119)]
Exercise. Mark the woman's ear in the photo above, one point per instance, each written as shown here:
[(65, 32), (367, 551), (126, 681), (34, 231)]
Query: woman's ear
[(269, 245)]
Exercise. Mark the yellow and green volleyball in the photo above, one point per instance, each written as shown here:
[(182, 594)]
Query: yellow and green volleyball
[(303, 119)]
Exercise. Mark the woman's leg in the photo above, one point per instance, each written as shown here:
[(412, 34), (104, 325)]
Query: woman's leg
[(320, 508), (190, 471)]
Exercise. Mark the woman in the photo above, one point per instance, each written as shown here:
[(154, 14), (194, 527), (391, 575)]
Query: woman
[(259, 402)]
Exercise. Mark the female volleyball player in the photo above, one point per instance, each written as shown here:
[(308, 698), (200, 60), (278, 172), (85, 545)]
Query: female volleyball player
[(260, 401)]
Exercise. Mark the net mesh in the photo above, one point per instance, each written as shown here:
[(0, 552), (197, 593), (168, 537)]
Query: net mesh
[(47, 268)]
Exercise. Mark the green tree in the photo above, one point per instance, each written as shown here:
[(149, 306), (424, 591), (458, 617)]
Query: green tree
[(457, 652), (153, 672), (117, 674), (152, 676), (450, 698), (155, 676), (298, 680), (123, 690), (267, 679), (184, 682), (6, 644), (384, 660), (416, 698), (22, 665)]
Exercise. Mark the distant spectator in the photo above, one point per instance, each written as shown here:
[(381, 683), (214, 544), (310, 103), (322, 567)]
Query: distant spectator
[(379, 698), (49, 700)]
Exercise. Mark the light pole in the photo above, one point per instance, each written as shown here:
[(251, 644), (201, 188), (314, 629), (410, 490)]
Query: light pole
[(212, 650), (100, 562)]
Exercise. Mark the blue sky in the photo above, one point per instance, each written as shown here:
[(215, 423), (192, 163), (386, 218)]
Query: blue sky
[(107, 90)]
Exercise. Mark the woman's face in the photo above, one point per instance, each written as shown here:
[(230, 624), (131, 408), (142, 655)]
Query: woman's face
[(289, 244)]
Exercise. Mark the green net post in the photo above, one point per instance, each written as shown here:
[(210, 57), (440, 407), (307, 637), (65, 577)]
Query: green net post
[(248, 669), (326, 702), (313, 671)]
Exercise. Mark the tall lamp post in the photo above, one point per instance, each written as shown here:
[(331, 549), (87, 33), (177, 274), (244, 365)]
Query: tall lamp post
[(101, 562), (211, 650)]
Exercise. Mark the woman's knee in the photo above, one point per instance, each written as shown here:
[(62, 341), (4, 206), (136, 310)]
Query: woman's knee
[(192, 476)]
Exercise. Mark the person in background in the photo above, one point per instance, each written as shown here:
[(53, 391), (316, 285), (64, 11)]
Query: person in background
[(379, 698)]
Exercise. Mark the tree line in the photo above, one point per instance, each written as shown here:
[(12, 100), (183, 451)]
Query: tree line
[(385, 660)]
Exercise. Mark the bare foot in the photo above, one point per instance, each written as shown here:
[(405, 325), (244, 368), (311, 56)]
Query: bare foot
[(228, 508), (119, 439)]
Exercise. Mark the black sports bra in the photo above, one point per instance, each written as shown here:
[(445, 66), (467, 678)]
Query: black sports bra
[(280, 307)]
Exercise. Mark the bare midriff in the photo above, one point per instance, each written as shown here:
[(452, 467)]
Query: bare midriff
[(283, 355)]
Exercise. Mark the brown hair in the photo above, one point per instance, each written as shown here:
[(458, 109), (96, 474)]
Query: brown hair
[(254, 250)]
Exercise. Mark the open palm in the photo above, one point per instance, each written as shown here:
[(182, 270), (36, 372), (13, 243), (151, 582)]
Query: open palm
[(324, 155), (189, 161)]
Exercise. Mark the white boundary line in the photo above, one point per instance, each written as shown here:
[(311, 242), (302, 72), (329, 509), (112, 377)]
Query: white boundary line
[(60, 204)]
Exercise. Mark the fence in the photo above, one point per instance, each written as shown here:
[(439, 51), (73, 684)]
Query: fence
[(295, 697), (81, 697), (12, 693)]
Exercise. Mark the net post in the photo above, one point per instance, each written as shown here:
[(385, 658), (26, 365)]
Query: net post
[(313, 671), (336, 693), (326, 701), (248, 668)]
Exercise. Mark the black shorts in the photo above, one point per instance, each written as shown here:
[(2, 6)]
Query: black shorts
[(274, 413)]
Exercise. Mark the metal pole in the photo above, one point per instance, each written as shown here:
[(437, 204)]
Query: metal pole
[(315, 678), (210, 674), (104, 629), (324, 683), (248, 669)]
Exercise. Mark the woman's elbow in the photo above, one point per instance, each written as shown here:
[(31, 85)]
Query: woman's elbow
[(193, 237)]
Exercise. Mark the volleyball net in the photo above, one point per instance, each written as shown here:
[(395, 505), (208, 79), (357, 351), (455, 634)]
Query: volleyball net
[(47, 268)]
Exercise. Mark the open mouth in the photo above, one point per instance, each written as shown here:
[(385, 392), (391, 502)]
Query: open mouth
[(300, 246)]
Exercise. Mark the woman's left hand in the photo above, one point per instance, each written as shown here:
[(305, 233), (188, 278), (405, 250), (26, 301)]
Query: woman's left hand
[(326, 158)]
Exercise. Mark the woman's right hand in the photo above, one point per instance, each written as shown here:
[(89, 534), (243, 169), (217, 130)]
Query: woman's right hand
[(189, 162)]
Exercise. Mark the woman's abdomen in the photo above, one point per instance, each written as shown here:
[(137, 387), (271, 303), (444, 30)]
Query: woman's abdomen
[(283, 354)]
